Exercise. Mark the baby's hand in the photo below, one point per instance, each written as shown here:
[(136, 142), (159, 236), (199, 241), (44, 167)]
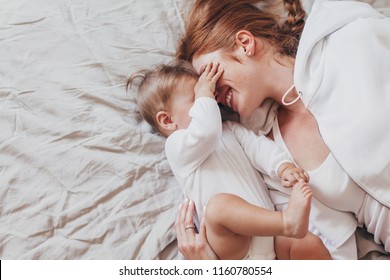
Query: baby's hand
[(291, 174), (205, 87)]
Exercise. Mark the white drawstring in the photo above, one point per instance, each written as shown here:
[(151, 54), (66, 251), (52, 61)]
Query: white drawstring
[(286, 94)]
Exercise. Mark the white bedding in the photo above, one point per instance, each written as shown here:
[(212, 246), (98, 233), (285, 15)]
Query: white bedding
[(81, 175)]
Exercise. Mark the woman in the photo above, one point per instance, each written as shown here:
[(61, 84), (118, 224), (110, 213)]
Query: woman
[(334, 95)]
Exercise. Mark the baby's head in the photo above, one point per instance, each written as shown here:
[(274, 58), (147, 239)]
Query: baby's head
[(165, 95)]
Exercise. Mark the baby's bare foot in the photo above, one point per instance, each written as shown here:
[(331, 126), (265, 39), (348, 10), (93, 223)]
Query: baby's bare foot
[(296, 216)]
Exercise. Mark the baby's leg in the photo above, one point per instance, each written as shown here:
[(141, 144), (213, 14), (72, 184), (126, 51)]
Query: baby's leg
[(231, 220), (225, 243), (308, 248)]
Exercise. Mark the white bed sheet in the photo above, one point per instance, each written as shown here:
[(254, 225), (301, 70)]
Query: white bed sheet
[(81, 175)]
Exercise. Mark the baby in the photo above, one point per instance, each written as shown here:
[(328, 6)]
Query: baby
[(212, 168)]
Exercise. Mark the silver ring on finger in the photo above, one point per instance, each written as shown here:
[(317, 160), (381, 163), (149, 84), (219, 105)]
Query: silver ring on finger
[(189, 226)]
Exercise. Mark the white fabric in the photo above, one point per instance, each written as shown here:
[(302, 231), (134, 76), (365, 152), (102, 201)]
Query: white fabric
[(376, 217), (265, 155), (337, 37), (345, 251), (261, 121), (335, 226), (337, 197), (81, 176), (258, 249), (334, 188), (342, 71), (207, 160)]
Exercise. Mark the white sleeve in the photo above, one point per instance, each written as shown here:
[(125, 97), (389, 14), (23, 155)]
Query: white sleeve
[(187, 148), (265, 155)]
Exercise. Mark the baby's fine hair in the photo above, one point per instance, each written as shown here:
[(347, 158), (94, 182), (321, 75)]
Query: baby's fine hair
[(154, 87)]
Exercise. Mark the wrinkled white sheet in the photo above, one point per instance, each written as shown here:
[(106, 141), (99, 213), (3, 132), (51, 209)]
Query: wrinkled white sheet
[(81, 175)]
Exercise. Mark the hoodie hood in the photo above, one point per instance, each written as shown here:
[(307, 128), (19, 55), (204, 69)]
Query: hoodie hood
[(325, 18)]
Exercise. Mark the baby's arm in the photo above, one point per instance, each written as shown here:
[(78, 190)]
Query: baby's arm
[(187, 148), (266, 156)]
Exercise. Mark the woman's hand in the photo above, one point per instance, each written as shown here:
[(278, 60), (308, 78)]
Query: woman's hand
[(192, 245)]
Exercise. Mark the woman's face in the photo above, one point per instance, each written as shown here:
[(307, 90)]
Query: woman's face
[(238, 86)]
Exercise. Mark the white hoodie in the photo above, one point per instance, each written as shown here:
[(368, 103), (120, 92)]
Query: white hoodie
[(342, 69)]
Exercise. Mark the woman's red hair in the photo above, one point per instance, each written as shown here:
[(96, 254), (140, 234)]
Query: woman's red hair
[(213, 24)]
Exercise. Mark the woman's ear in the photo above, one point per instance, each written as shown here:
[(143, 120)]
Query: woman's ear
[(165, 121), (246, 42)]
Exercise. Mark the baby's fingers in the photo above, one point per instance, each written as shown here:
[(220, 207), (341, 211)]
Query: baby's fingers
[(207, 69), (286, 184), (307, 176), (215, 71), (300, 174), (291, 177), (218, 74)]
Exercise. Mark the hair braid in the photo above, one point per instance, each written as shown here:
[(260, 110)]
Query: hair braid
[(293, 26)]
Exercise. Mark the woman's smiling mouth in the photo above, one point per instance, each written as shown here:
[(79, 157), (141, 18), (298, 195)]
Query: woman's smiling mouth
[(226, 98)]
